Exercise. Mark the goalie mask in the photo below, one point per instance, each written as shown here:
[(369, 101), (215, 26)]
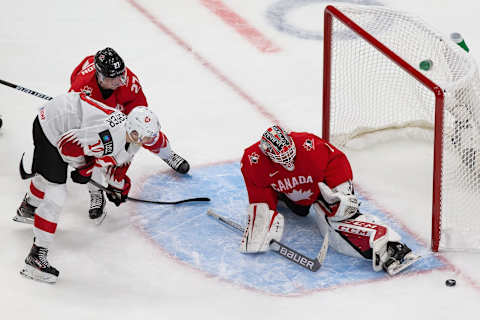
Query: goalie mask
[(279, 147), (142, 125)]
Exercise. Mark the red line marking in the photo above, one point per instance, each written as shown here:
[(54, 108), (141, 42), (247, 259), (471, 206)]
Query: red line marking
[(449, 266), (261, 109), (269, 116), (240, 25)]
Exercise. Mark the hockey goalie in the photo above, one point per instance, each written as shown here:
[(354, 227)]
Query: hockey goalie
[(311, 176)]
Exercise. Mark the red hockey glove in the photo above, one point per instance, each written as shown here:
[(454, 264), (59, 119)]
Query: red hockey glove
[(83, 174), (119, 196)]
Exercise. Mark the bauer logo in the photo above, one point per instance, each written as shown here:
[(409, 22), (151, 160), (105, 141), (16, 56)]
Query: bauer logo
[(296, 257), (274, 272)]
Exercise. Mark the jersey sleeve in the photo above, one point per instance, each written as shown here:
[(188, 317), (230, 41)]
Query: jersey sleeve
[(257, 190), (334, 162), (86, 66)]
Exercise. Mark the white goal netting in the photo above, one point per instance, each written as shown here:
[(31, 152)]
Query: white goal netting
[(372, 90)]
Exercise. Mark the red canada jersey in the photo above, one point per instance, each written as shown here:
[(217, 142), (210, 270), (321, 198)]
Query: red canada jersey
[(124, 99), (316, 161)]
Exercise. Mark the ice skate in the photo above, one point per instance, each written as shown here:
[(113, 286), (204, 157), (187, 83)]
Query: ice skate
[(401, 257), (97, 210), (177, 163), (26, 212), (37, 266)]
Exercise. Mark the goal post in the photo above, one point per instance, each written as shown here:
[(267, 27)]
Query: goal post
[(372, 81)]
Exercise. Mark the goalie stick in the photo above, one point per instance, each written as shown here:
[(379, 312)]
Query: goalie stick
[(286, 252), (26, 175)]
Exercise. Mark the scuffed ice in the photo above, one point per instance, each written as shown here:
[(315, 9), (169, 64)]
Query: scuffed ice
[(187, 233)]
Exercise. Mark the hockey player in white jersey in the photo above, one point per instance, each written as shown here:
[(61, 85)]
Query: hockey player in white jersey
[(75, 130)]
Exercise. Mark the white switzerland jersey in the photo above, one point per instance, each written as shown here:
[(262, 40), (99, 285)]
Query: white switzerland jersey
[(80, 126)]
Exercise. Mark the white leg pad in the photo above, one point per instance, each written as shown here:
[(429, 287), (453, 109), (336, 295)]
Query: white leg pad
[(263, 226), (354, 237)]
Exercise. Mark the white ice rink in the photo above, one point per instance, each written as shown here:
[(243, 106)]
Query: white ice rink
[(216, 81)]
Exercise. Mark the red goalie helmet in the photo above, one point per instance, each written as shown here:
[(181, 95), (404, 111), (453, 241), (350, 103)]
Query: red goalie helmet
[(279, 147)]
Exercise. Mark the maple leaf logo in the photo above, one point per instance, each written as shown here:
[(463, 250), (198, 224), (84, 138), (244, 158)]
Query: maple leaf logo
[(87, 90), (308, 144), (253, 158), (297, 195)]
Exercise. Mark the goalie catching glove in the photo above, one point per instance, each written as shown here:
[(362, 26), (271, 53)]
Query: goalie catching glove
[(263, 226), (342, 203)]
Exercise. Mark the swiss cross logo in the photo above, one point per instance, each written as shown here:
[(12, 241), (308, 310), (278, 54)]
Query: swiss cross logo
[(309, 145), (253, 158), (147, 119)]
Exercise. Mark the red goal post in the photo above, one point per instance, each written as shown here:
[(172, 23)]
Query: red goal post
[(372, 82)]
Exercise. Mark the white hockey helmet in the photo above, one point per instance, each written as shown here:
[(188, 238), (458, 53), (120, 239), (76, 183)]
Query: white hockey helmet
[(144, 122), (279, 147)]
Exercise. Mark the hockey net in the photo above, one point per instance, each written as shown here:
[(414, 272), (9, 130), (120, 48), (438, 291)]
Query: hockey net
[(373, 82)]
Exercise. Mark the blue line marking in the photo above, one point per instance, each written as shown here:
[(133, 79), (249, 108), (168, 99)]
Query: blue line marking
[(186, 232)]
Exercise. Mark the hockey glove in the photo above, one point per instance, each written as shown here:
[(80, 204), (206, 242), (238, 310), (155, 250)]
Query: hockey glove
[(342, 205), (83, 174), (119, 196)]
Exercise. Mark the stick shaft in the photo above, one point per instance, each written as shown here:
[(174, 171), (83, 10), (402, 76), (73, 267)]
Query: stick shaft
[(26, 90), (202, 199), (286, 252)]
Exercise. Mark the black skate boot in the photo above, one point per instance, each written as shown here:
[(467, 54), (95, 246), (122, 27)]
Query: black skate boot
[(177, 163), (97, 206), (26, 212), (37, 266), (400, 257)]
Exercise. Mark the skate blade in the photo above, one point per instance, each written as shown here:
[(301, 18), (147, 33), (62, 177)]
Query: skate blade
[(397, 268), (21, 219), (37, 275), (100, 219)]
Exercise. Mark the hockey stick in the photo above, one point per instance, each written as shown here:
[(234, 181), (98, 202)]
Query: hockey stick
[(26, 176), (23, 173), (202, 199), (286, 252), (26, 90)]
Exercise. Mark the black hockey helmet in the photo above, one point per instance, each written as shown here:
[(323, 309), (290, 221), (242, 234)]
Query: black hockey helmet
[(109, 64)]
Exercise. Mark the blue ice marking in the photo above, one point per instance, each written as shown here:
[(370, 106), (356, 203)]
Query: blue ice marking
[(186, 232)]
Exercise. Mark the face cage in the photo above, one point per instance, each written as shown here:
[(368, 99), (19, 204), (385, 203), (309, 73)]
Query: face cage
[(286, 159), (122, 78)]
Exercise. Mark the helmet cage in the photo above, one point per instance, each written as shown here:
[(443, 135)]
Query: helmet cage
[(279, 147), (122, 79)]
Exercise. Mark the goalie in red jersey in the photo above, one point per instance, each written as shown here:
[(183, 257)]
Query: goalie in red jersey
[(312, 176)]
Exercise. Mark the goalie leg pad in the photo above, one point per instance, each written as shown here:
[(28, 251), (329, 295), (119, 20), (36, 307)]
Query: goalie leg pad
[(359, 237), (263, 226)]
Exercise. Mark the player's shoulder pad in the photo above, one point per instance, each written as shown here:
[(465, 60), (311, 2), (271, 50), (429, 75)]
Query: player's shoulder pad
[(253, 156), (305, 141)]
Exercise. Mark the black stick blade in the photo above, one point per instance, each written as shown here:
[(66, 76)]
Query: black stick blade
[(23, 173)]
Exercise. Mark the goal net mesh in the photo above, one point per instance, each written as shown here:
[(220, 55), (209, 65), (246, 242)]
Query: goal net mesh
[(370, 92)]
